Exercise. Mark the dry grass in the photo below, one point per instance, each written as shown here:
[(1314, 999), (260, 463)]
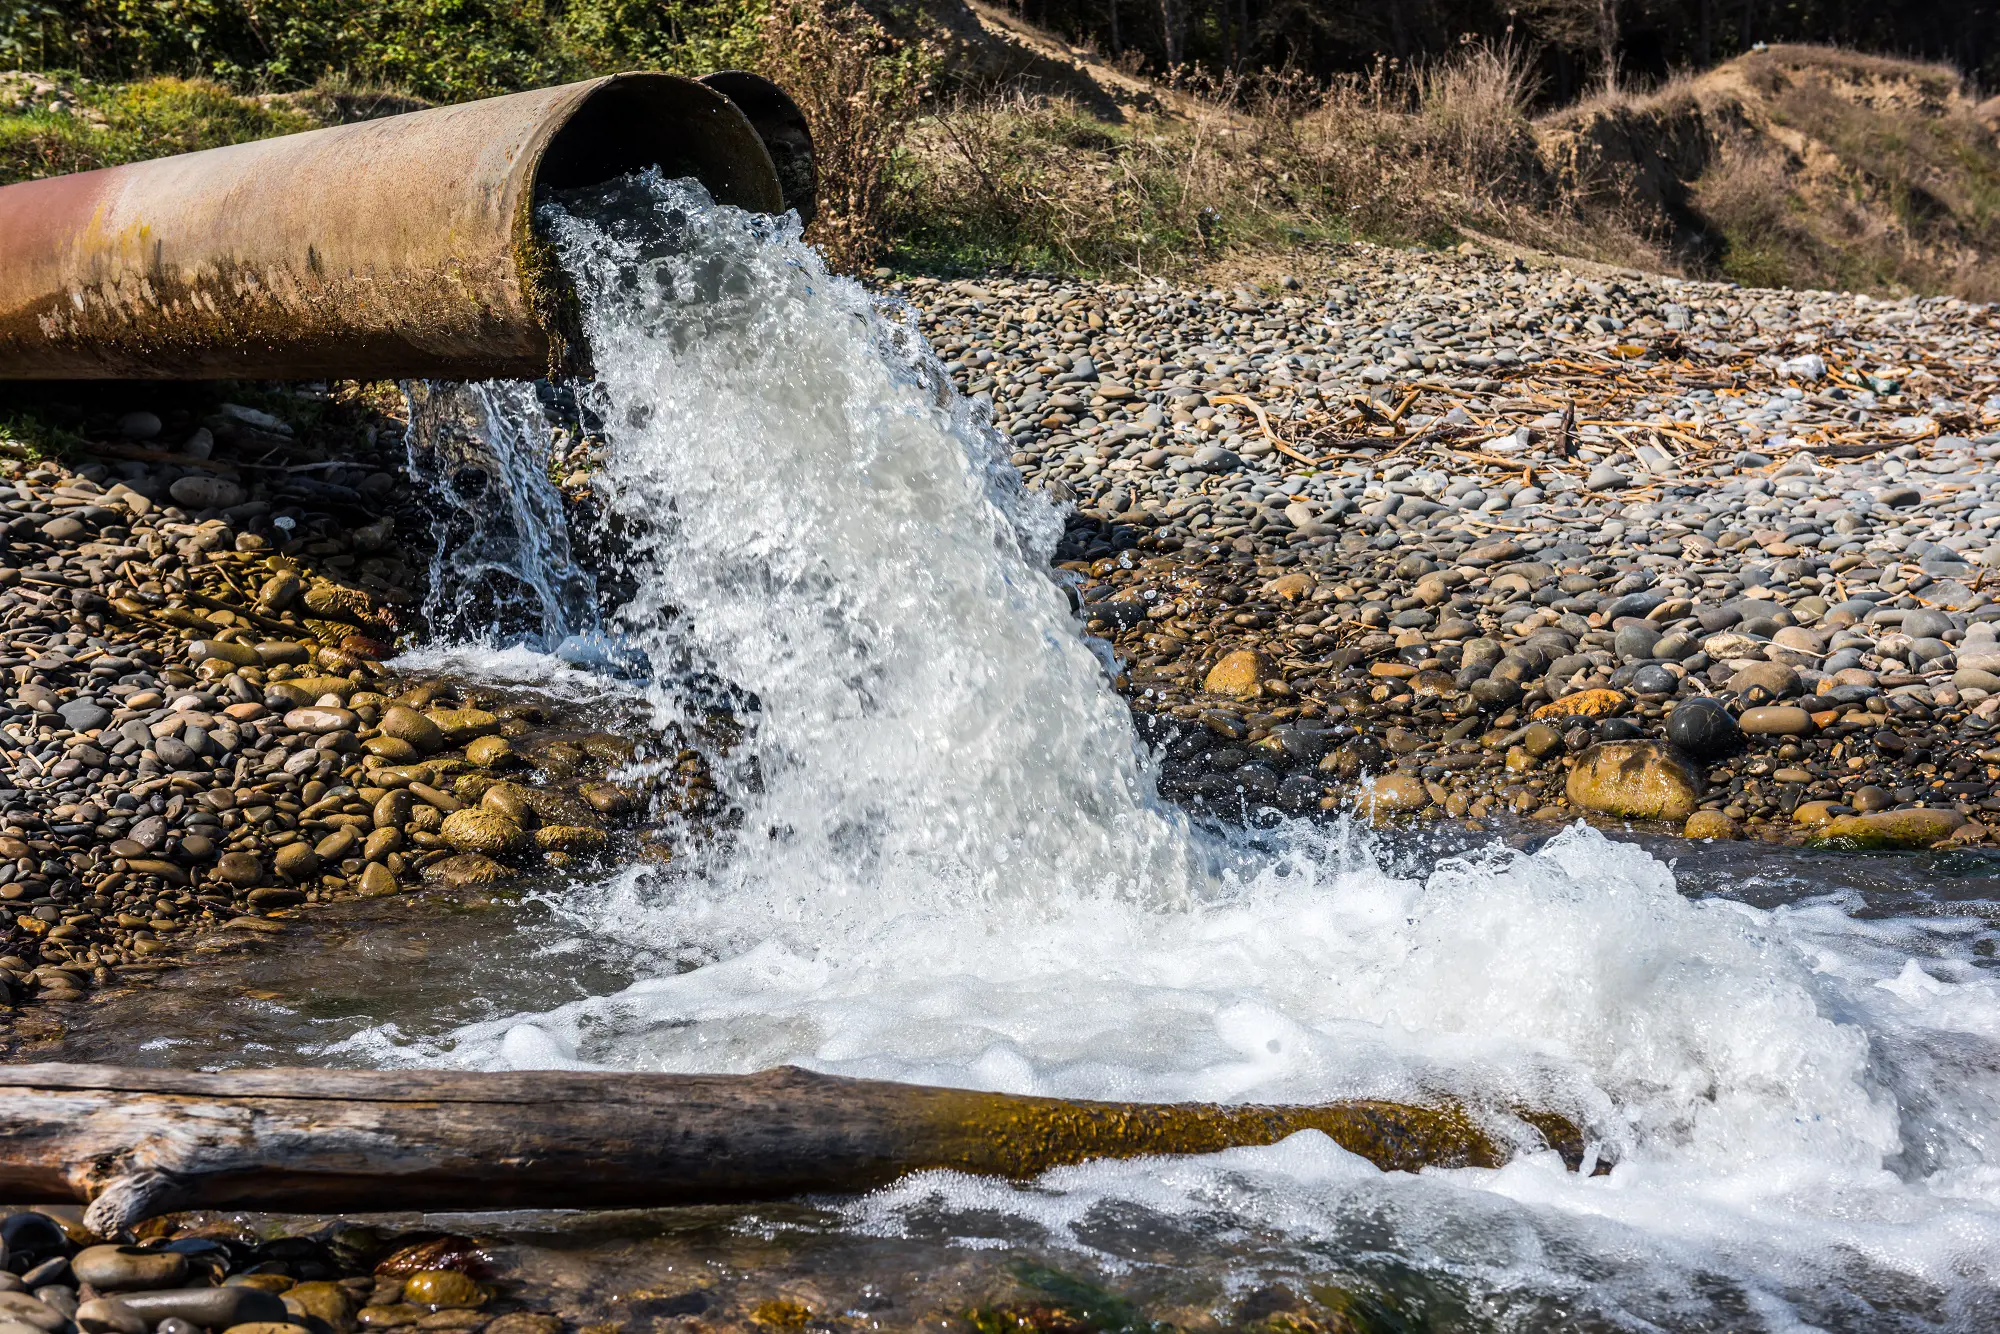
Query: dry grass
[(859, 91), (1397, 155)]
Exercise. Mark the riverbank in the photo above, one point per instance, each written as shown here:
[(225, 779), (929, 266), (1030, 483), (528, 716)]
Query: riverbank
[(1419, 535), (1449, 533)]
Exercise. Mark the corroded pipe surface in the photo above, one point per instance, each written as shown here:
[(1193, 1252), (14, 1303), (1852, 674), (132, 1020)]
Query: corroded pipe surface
[(394, 248)]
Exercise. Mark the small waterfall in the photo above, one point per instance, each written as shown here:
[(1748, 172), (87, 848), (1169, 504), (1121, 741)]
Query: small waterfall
[(952, 867), (501, 570)]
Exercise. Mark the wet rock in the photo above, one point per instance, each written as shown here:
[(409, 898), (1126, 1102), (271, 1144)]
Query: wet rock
[(1541, 741), (1638, 780), (1392, 794), (1703, 728), (273, 898), (575, 840), (128, 1268), (512, 801), (1919, 828), (467, 870), (462, 725), (1240, 673), (377, 880), (1710, 824), (608, 798), (402, 723), (296, 862), (440, 1289), (242, 869), (525, 1322), (1871, 798), (493, 752), (321, 1300), (482, 831)]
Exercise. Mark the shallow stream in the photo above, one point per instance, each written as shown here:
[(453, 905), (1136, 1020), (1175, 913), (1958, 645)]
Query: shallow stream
[(952, 867)]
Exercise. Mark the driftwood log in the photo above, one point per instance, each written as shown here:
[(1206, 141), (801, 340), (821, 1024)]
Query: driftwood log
[(134, 1143)]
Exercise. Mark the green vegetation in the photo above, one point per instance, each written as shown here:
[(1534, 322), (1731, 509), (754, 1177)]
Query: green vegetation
[(71, 125), (945, 146), (441, 50)]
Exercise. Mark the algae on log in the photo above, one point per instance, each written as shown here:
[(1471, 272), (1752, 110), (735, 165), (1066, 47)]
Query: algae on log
[(133, 1143)]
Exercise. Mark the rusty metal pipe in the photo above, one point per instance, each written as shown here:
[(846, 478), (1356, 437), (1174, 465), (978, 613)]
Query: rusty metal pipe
[(395, 248)]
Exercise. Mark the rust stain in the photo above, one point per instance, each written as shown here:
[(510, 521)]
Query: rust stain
[(395, 248)]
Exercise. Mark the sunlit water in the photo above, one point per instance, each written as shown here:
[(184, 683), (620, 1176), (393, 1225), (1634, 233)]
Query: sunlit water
[(953, 868)]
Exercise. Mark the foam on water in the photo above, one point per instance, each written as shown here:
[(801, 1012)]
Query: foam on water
[(953, 868)]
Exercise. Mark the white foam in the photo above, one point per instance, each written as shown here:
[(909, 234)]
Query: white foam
[(953, 870)]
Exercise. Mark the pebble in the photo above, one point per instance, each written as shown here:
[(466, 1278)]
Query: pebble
[(1750, 536), (128, 1268)]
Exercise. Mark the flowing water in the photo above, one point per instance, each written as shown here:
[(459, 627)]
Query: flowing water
[(952, 867)]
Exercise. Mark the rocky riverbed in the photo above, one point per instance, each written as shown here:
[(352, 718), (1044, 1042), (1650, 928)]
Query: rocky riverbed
[(1417, 534), (189, 1272), (1448, 533), (199, 735)]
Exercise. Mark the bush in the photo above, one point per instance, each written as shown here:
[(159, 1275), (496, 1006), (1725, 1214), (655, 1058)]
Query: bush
[(859, 89)]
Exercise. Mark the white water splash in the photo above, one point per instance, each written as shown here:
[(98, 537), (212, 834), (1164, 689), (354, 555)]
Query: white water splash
[(501, 570), (953, 869)]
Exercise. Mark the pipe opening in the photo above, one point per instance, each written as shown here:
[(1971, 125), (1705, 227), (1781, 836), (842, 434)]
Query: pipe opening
[(635, 121)]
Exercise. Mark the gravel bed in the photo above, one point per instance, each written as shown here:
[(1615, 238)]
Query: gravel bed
[(1447, 533), (198, 737)]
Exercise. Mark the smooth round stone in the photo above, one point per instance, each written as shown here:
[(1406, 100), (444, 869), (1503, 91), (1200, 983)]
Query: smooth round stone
[(403, 723), (1776, 720), (1926, 623), (241, 869), (1641, 780), (321, 720), (1635, 641), (481, 831), (128, 1268), (492, 752), (1870, 799), (1393, 794), (1653, 679), (296, 862), (1709, 824), (1541, 740), (1775, 679), (84, 715), (443, 1288)]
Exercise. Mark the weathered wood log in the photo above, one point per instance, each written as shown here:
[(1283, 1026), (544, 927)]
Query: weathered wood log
[(134, 1143)]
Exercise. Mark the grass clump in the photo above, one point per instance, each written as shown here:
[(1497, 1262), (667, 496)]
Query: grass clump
[(71, 125)]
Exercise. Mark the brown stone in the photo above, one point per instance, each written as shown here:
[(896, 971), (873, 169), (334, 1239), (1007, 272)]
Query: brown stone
[(1710, 824), (1601, 703), (1637, 780), (1239, 673)]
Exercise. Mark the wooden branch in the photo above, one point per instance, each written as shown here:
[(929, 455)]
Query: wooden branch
[(134, 1143)]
